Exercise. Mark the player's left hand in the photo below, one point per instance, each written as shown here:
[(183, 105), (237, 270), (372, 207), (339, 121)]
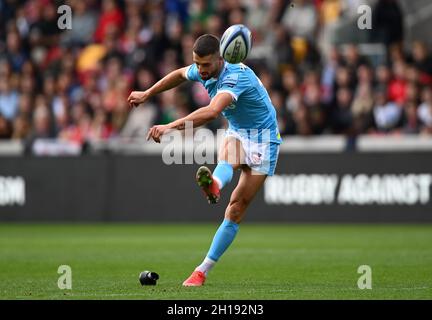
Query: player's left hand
[(156, 132)]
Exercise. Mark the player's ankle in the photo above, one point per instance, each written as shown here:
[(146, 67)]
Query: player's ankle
[(218, 182), (206, 266)]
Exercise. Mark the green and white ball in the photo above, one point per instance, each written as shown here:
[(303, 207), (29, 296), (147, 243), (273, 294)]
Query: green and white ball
[(236, 43)]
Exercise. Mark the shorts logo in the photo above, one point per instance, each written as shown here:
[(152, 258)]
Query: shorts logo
[(231, 106), (256, 158)]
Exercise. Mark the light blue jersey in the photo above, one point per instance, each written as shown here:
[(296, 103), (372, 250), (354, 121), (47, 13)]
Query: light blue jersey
[(251, 110)]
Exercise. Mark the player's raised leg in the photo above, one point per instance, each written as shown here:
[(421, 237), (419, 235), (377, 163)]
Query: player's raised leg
[(231, 157), (248, 186)]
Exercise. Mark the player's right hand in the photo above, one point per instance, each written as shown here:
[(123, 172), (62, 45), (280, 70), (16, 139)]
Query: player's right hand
[(156, 132), (137, 97)]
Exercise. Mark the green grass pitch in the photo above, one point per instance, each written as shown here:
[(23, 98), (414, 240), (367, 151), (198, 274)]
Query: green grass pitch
[(265, 262)]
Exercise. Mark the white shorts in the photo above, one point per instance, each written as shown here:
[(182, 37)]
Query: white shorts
[(260, 157)]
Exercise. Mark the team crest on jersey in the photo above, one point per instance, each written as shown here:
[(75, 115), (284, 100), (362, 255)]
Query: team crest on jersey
[(229, 81)]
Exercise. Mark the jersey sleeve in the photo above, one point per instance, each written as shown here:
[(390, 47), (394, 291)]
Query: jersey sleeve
[(191, 73), (234, 84)]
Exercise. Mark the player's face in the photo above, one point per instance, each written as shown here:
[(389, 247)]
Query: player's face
[(208, 66)]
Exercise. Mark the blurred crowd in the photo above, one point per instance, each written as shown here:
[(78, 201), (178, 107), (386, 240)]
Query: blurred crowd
[(73, 84)]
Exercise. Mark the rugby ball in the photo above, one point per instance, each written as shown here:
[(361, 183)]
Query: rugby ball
[(236, 43)]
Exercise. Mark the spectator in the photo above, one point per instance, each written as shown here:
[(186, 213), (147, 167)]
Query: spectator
[(21, 128), (15, 54), (424, 111), (353, 61), (410, 120), (328, 75), (84, 21), (387, 20), (44, 31), (284, 56), (382, 78), (257, 17), (99, 129), (342, 116), (25, 105), (301, 121), (215, 25), (387, 114), (301, 20), (74, 83), (111, 19), (5, 128), (317, 117), (278, 101), (397, 90), (362, 108), (422, 61), (42, 123), (9, 99)]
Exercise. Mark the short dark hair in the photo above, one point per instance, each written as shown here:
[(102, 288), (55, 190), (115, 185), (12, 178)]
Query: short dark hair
[(206, 44)]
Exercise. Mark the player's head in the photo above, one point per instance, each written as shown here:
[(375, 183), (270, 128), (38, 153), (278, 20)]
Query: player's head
[(206, 56)]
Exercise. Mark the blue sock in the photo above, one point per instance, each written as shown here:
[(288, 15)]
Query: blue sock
[(223, 238), (223, 173)]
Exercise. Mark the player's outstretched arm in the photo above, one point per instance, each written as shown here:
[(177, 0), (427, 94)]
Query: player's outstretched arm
[(171, 80), (197, 118)]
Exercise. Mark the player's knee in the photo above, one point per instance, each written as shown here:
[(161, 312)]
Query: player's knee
[(236, 209)]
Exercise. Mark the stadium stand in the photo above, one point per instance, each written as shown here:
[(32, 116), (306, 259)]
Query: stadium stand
[(324, 75)]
